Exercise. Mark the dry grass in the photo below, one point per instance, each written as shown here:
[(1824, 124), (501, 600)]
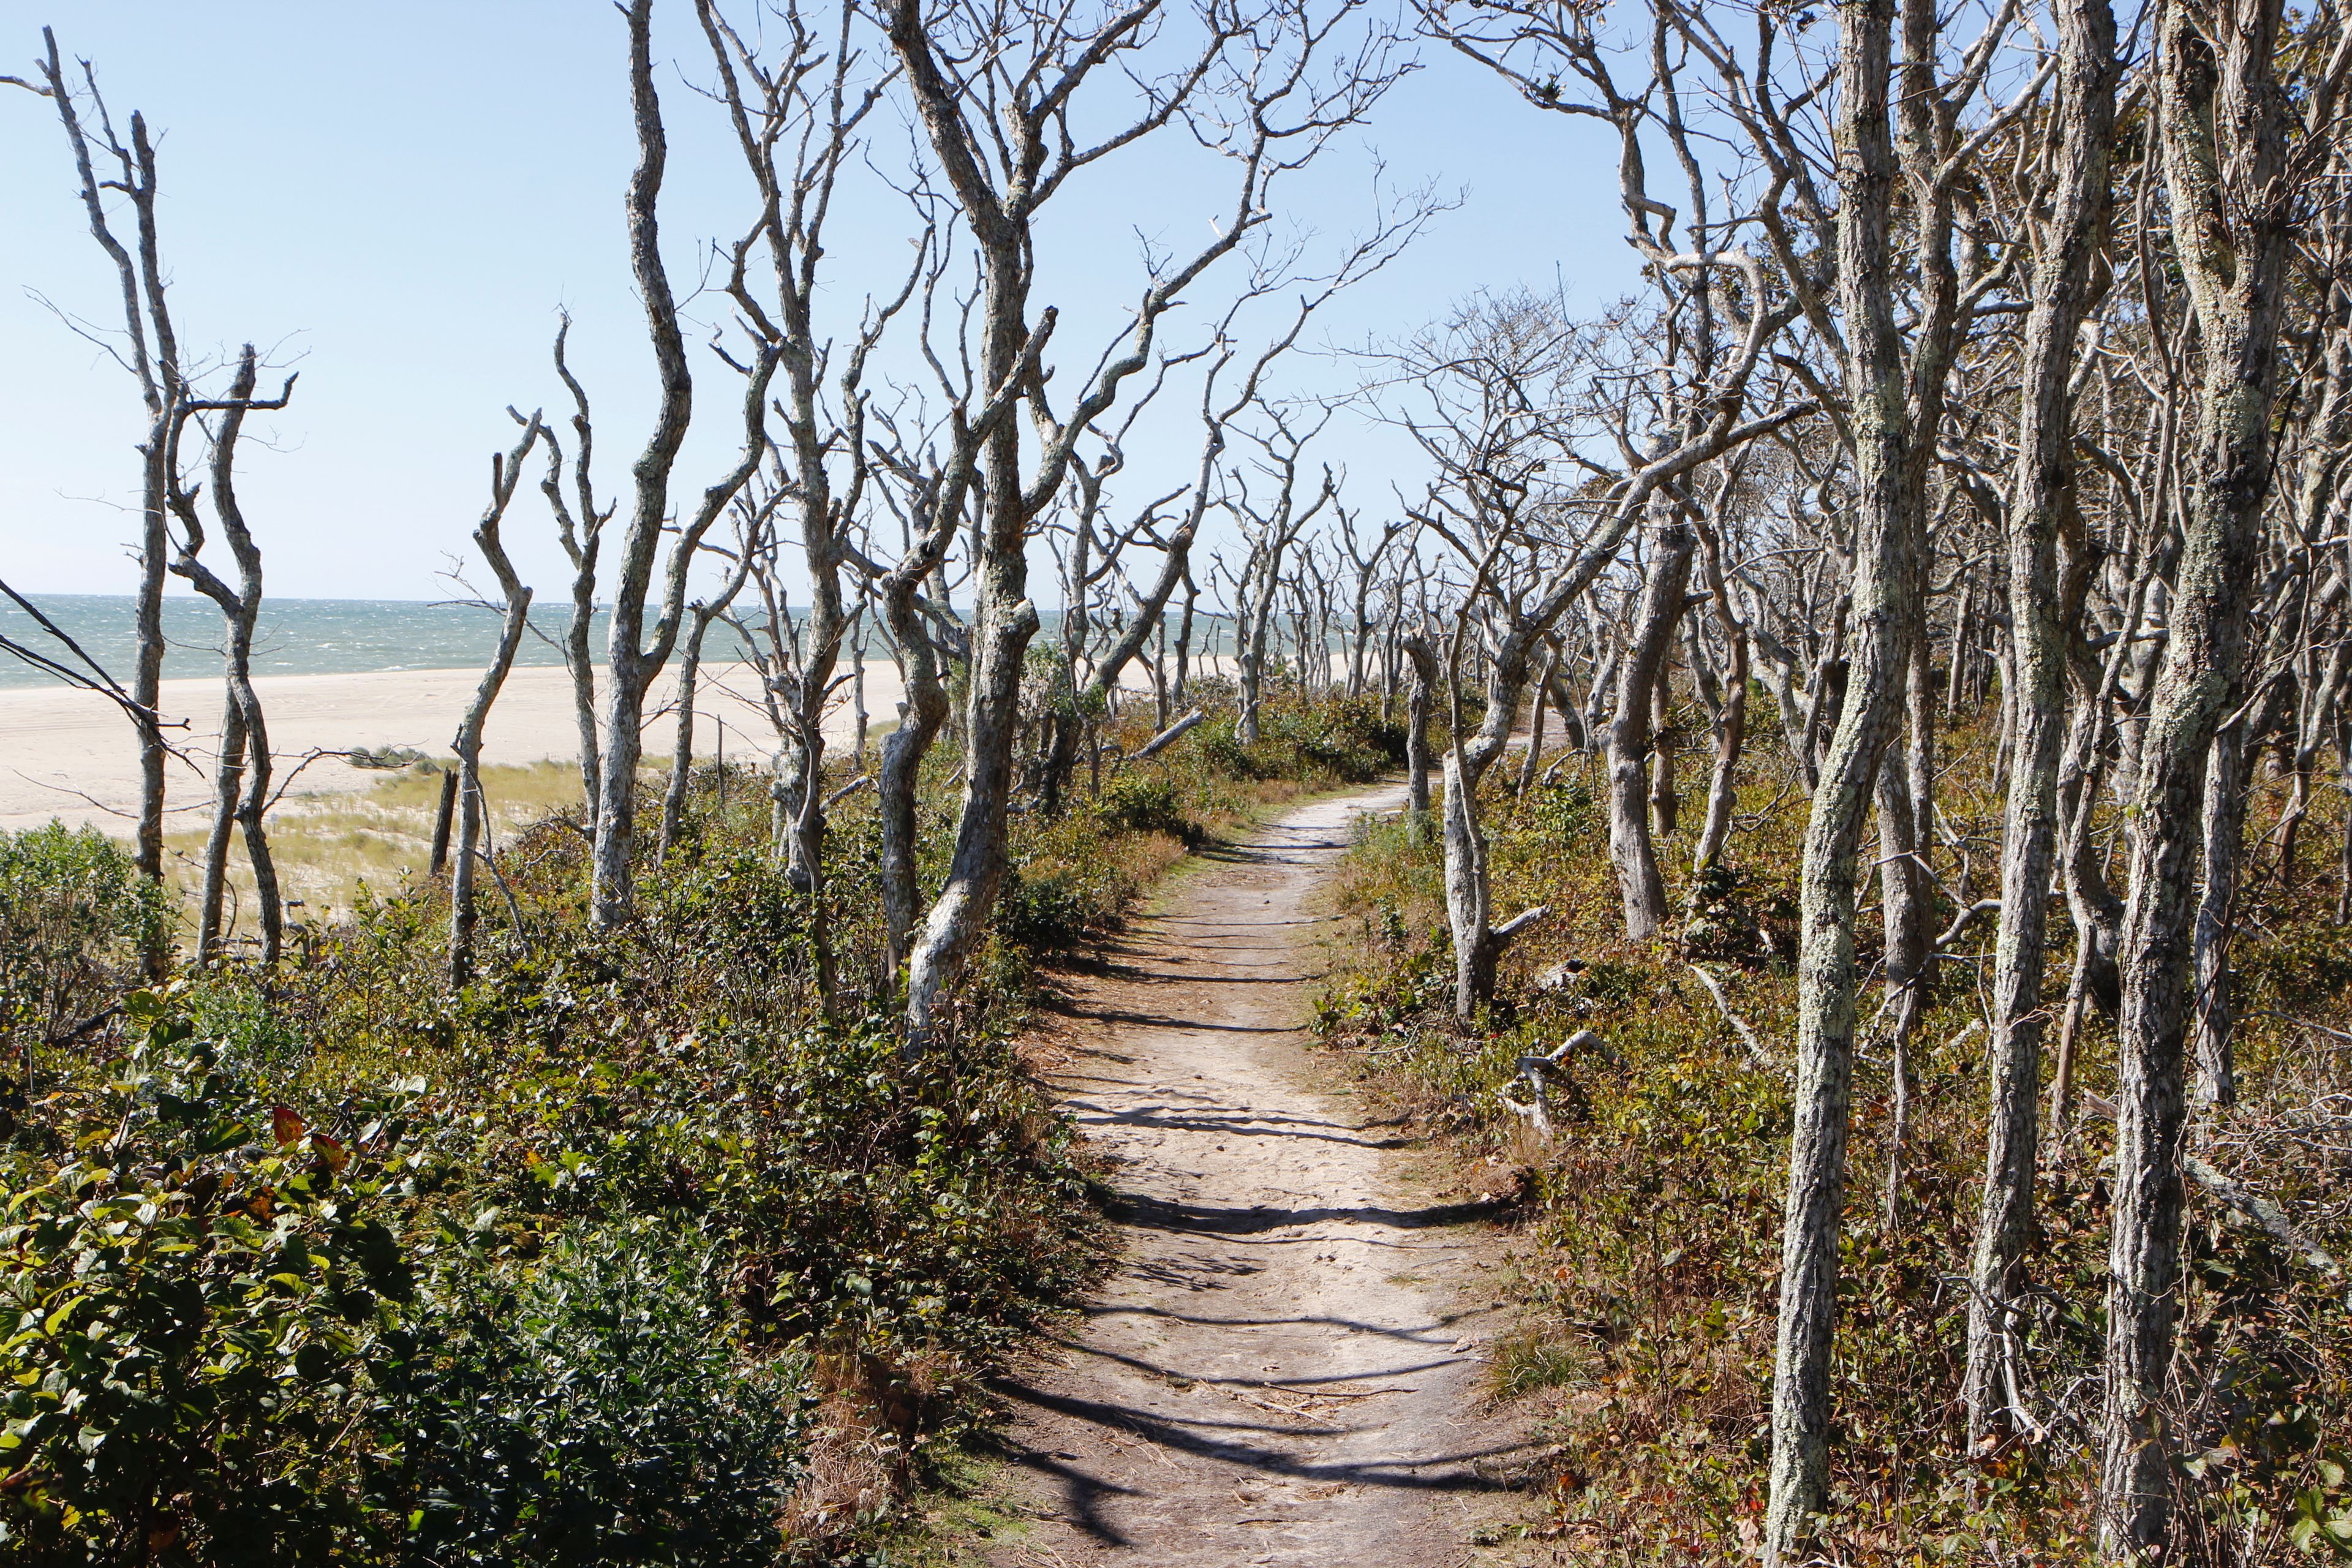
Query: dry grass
[(329, 846)]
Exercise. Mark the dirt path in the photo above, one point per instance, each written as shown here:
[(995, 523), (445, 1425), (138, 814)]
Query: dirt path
[(1286, 1367)]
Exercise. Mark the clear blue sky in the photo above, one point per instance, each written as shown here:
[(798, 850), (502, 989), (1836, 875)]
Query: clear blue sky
[(397, 200)]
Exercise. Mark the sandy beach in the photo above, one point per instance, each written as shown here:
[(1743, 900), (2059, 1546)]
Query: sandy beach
[(70, 754)]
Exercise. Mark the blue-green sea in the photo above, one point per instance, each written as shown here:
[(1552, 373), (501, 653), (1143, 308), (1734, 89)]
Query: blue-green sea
[(341, 636), (295, 636)]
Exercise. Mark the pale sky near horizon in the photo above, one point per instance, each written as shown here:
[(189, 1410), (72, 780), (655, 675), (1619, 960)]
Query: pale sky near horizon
[(396, 201)]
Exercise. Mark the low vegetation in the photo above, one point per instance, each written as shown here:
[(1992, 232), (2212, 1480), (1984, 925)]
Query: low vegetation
[(1651, 1238), (620, 1253)]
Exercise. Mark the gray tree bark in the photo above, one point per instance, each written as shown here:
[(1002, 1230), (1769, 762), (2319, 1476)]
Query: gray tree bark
[(1419, 696), (636, 651), (514, 620), (2040, 507), (1630, 849), (1882, 620), (699, 616), (2222, 136), (241, 778), (1730, 721), (145, 309), (582, 540)]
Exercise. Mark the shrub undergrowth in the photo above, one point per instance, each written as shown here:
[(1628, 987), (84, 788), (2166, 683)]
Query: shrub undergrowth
[(1652, 1226), (622, 1252)]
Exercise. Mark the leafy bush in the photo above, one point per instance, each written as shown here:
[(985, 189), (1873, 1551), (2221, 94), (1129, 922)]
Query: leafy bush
[(655, 1263), (75, 917), (1143, 803), (197, 1300), (235, 1015), (593, 1410), (1338, 741)]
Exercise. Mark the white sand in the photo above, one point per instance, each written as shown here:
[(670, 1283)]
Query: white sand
[(70, 754)]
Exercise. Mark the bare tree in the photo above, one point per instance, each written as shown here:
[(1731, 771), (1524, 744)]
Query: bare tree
[(2230, 165), (997, 93), (241, 774), (150, 352), (582, 538), (637, 651), (1632, 736), (2064, 291), (514, 619), (751, 544)]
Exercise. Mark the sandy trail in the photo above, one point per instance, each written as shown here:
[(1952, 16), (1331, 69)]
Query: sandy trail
[(1287, 1366)]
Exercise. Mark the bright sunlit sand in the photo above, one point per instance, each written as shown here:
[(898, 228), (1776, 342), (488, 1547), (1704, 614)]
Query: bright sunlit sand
[(72, 755)]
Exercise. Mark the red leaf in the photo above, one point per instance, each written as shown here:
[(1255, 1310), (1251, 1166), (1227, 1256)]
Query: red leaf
[(287, 1125)]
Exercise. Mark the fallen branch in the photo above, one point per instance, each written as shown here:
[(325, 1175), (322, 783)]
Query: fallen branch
[(84, 1028), (1537, 1110), (1965, 919), (2264, 1212), (1519, 922), (1168, 736), (1747, 1037), (845, 790)]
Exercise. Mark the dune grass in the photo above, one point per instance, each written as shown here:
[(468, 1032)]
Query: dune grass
[(329, 846)]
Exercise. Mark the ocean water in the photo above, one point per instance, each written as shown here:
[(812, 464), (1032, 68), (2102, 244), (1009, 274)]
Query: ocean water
[(347, 636), (293, 637)]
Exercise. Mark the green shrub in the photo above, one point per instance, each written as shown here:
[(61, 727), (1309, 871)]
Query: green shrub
[(1143, 803), (1335, 741), (196, 1302), (1048, 910), (235, 1015), (74, 917), (593, 1410)]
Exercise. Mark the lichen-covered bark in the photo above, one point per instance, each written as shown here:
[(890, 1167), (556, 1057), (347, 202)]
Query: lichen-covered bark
[(2223, 140), (2041, 503), (1884, 614), (1631, 849)]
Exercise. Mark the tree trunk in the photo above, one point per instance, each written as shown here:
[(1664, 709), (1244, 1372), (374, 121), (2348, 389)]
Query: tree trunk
[(2222, 830), (976, 872), (242, 781), (1468, 910), (147, 674), (269, 904), (922, 712), (1665, 804), (1418, 699), (228, 782), (1883, 619), (631, 660), (1905, 897), (2232, 239), (628, 668), (2041, 505), (681, 757), (1730, 726), (515, 620), (1528, 764), (1630, 849)]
